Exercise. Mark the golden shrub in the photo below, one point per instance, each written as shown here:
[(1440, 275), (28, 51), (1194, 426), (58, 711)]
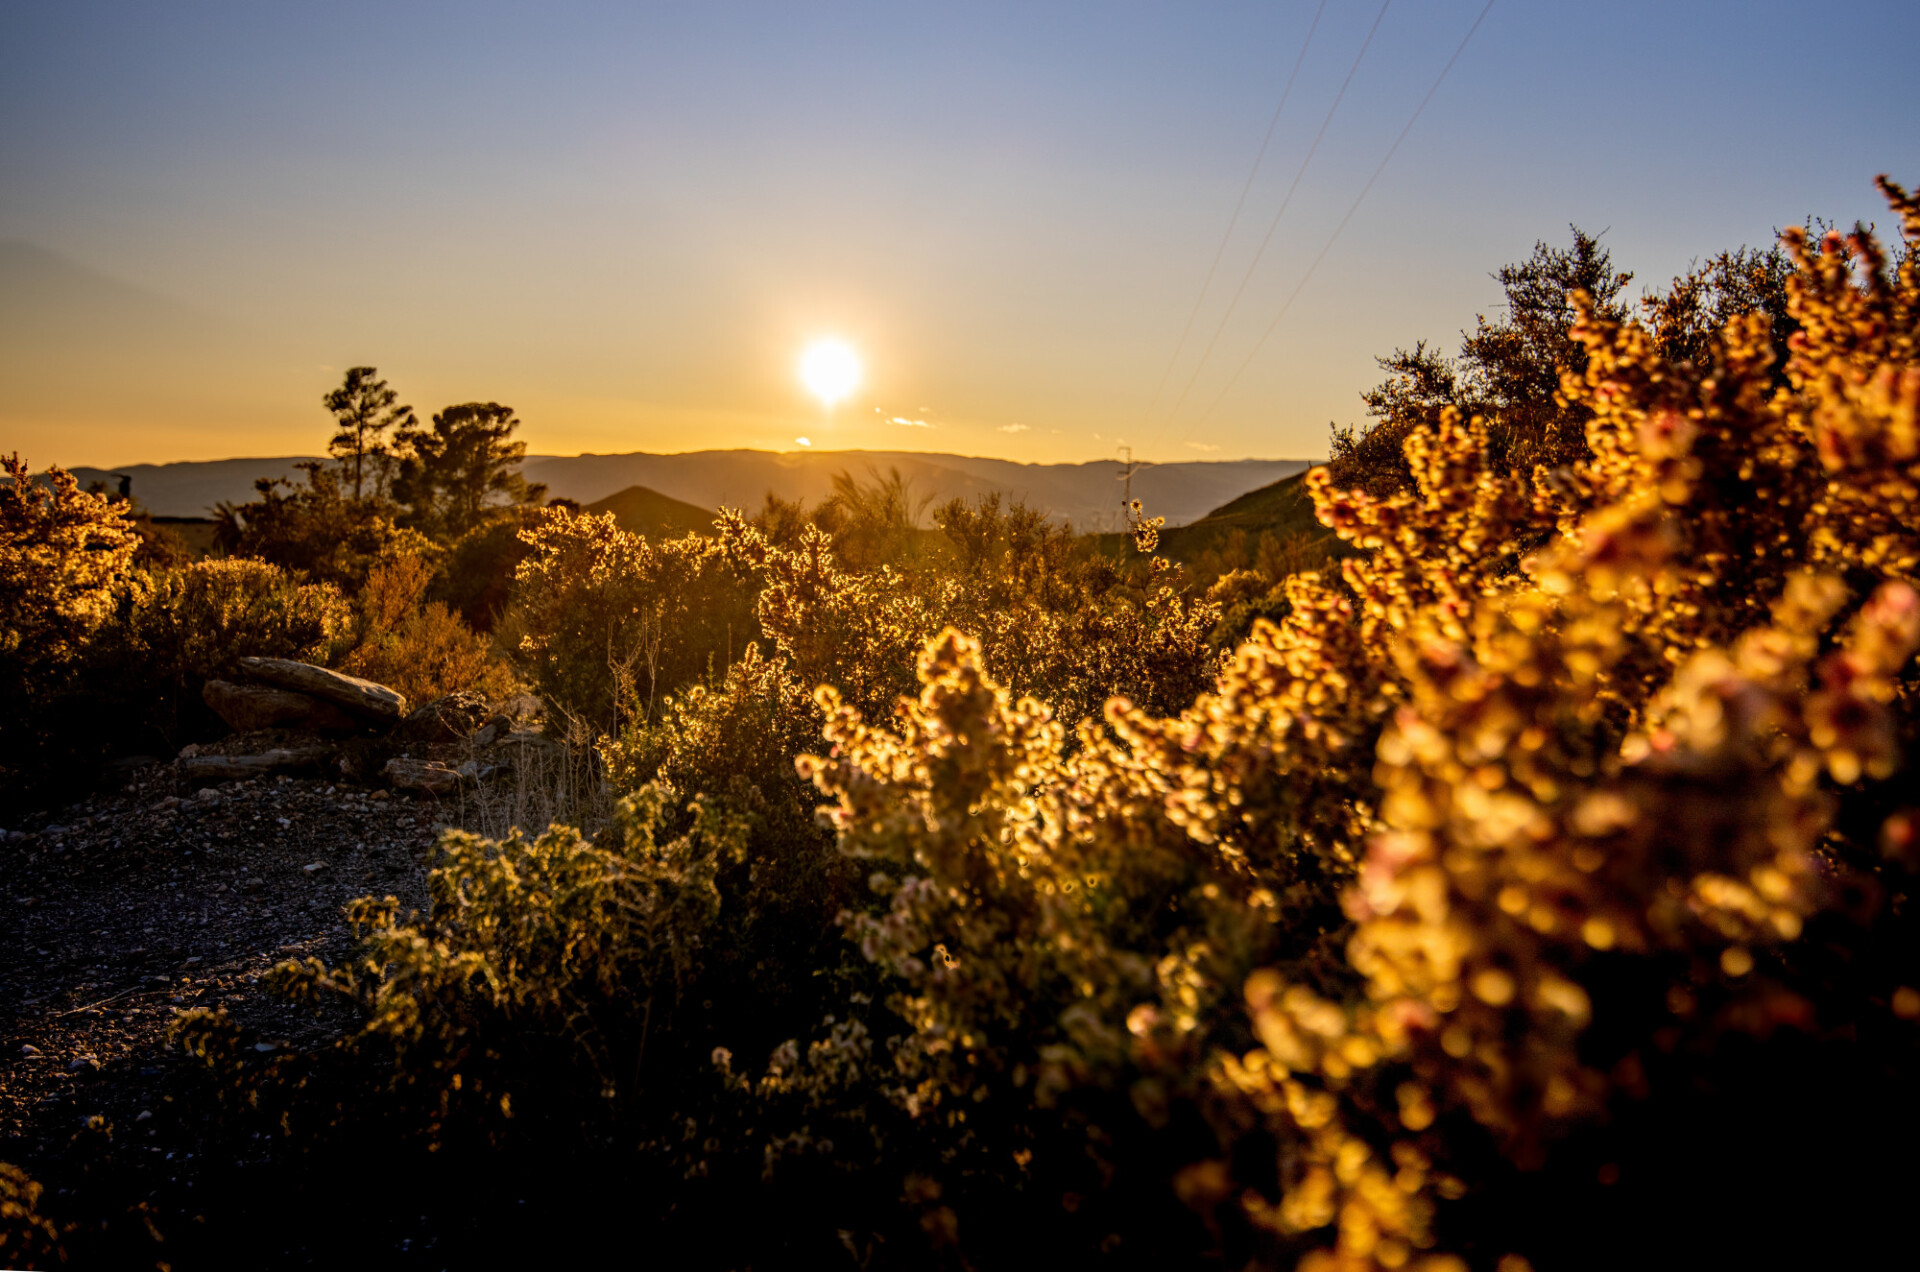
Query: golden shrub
[(61, 551), (419, 647), (1275, 954), (1616, 709)]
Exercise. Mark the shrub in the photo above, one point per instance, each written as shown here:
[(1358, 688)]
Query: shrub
[(317, 531), (605, 623), (1570, 807), (61, 552), (174, 631), (419, 648), (475, 578), (28, 1239), (1578, 815)]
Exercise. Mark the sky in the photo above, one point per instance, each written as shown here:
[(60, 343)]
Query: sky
[(628, 221)]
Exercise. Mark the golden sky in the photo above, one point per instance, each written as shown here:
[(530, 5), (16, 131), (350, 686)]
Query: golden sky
[(627, 221)]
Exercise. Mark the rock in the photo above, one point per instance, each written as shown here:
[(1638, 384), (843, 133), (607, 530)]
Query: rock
[(493, 730), (361, 697), (448, 719), (246, 708), (221, 768), (426, 776)]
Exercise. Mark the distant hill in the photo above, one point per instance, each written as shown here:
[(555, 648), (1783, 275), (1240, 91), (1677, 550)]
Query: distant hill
[(193, 489), (642, 511), (1280, 509), (1086, 494)]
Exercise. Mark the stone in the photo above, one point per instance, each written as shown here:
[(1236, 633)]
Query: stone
[(221, 768), (448, 719), (493, 730), (428, 777), (246, 708), (363, 698)]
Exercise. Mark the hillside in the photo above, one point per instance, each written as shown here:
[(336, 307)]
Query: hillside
[(1087, 494), (1231, 533), (643, 511), (1280, 509)]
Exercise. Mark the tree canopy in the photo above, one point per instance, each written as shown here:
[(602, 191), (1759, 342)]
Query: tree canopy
[(368, 412), (449, 473)]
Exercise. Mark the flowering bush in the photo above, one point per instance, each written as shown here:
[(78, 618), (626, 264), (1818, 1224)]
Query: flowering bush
[(1575, 794)]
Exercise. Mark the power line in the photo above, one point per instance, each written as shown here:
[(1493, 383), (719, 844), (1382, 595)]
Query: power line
[(1352, 208), (1234, 220), (1274, 225)]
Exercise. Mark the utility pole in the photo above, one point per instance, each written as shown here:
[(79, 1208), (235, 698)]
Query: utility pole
[(1126, 487)]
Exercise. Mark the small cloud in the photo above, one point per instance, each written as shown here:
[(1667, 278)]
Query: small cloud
[(1014, 428), (907, 423), (926, 410), (804, 441), (1201, 446)]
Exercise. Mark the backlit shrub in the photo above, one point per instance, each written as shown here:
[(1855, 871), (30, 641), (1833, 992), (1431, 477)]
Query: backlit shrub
[(605, 623), (416, 646), (61, 551), (1577, 792)]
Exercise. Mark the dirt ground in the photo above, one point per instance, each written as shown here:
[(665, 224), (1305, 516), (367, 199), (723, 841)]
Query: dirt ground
[(149, 899)]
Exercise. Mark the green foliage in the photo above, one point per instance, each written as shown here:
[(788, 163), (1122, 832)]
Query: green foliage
[(449, 474), (315, 530), (415, 646), (604, 624), (174, 631), (475, 578), (1083, 629), (61, 552), (1508, 372), (1576, 796), (553, 938), (1698, 304), (874, 522)]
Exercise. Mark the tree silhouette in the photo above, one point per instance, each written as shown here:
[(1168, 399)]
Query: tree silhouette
[(1507, 371), (367, 411), (448, 473)]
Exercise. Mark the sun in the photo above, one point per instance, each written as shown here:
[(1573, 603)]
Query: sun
[(830, 369)]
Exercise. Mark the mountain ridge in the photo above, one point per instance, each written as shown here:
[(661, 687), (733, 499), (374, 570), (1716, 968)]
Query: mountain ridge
[(1087, 493)]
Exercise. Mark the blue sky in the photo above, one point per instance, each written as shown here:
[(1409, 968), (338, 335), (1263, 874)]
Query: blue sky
[(628, 220)]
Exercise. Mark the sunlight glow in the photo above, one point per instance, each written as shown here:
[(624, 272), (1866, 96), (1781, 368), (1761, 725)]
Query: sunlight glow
[(830, 370)]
